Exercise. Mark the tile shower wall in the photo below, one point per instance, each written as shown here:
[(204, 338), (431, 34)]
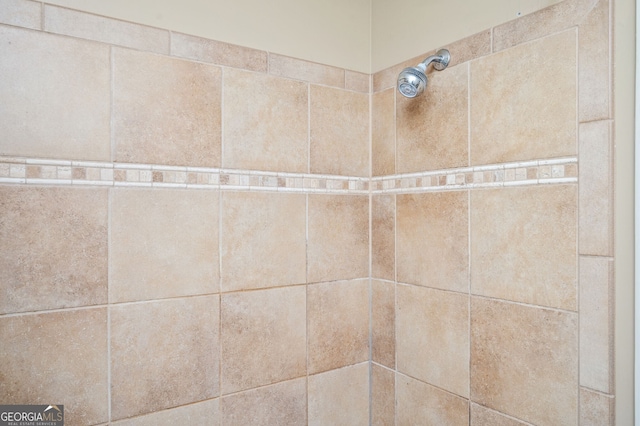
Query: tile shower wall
[(185, 228), (491, 229), (179, 244)]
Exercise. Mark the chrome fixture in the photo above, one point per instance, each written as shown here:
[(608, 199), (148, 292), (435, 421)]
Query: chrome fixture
[(413, 80)]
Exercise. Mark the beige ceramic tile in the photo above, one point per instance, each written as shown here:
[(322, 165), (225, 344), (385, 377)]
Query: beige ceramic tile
[(357, 81), (263, 337), (338, 242), (383, 323), (432, 129), (340, 397), (163, 354), (469, 48), (524, 361), (339, 132), (596, 409), (217, 52), (265, 122), (482, 416), (596, 188), (513, 115), (432, 240), (338, 324), (382, 396), (594, 59), (284, 403), (383, 231), (165, 110), (523, 245), (596, 323), (58, 357), (54, 248), (432, 337), (21, 13), (383, 133), (40, 72), (263, 240), (164, 243), (562, 15), (311, 72), (418, 403), (106, 30), (201, 413)]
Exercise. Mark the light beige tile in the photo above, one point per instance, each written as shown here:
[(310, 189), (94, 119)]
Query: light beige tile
[(265, 122), (165, 110), (357, 81), (263, 240), (383, 323), (106, 30), (469, 48), (217, 52), (382, 396), (21, 13), (163, 354), (58, 357), (338, 242), (432, 337), (523, 245), (482, 416), (513, 115), (432, 129), (594, 59), (524, 361), (311, 72), (339, 122), (164, 243), (555, 18), (201, 413), (338, 324), (596, 409), (418, 403), (596, 188), (32, 122), (284, 403), (383, 133), (263, 337), (432, 240), (383, 231), (54, 248), (340, 397), (596, 323)]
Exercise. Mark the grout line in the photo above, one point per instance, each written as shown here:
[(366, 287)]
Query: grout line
[(110, 196)]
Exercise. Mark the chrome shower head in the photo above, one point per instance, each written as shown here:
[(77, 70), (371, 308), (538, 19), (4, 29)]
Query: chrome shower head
[(413, 80)]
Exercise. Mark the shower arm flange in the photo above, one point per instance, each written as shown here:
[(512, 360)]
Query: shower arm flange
[(440, 60)]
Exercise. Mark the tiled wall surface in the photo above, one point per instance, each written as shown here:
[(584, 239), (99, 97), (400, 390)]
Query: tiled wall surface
[(491, 229), (201, 233), (180, 244)]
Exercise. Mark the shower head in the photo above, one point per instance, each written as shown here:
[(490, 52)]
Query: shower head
[(413, 80)]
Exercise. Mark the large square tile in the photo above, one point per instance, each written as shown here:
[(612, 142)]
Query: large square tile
[(163, 354), (263, 337), (54, 248)]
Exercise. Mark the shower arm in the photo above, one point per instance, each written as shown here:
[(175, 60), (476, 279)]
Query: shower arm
[(440, 60)]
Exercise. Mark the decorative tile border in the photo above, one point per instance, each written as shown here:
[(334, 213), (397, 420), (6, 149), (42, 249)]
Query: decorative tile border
[(536, 172), (31, 171), (88, 173)]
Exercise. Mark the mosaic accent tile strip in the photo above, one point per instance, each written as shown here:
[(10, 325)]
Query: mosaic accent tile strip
[(87, 173), (536, 172), (31, 171)]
